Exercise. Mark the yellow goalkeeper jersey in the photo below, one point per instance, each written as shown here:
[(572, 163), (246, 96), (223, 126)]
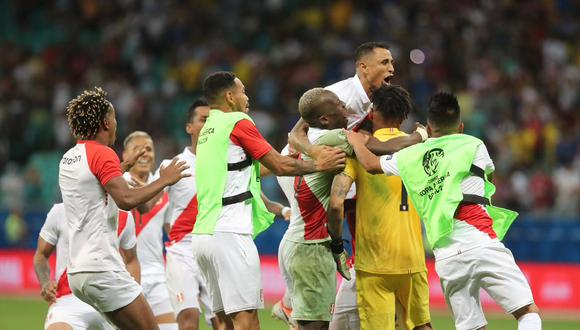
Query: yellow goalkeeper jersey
[(388, 229)]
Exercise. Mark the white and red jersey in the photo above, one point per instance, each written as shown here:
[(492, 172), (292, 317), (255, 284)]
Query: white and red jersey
[(245, 140), (55, 232), (472, 225), (149, 229), (310, 195), (91, 213), (182, 211)]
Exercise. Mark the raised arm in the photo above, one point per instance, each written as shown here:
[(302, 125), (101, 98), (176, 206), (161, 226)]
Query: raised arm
[(127, 198), (42, 269), (298, 138), (391, 146), (333, 159), (366, 158)]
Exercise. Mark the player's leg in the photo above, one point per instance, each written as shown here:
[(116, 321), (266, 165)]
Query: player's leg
[(506, 284), (282, 309), (461, 289), (413, 300), (182, 292), (313, 273), (117, 295), (235, 258), (157, 295), (346, 315), (136, 315), (376, 299)]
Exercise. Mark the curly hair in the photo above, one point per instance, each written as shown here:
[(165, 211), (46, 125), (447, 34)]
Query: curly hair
[(393, 102), (86, 112)]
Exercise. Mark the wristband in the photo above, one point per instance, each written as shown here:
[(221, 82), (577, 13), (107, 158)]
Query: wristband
[(423, 133), (284, 210), (336, 246)]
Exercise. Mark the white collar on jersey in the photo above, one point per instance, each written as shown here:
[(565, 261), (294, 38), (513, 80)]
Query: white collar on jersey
[(359, 88)]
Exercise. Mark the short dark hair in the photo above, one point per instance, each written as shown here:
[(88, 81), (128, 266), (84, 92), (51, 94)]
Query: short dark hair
[(200, 102), (392, 101), (366, 48), (443, 110), (216, 83)]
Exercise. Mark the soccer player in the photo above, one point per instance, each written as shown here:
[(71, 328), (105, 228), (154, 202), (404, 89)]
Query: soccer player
[(229, 152), (67, 311), (448, 180), (149, 221), (305, 259), (92, 186), (390, 260), (187, 287)]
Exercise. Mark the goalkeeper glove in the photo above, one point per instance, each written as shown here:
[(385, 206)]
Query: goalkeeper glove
[(340, 257)]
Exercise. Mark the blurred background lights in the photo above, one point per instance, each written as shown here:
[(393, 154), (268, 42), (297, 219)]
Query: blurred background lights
[(417, 56)]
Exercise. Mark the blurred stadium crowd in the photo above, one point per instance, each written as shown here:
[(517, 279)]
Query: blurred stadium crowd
[(515, 66)]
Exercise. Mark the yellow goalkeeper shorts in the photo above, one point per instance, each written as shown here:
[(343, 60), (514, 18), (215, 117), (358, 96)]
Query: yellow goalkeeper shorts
[(382, 296)]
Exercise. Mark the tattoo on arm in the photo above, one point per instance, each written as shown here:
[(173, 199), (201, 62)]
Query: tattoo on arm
[(340, 186), (42, 269)]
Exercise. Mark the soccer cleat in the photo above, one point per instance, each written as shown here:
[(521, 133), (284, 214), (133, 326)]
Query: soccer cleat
[(282, 313)]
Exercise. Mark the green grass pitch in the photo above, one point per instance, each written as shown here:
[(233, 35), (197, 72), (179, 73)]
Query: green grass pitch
[(20, 313)]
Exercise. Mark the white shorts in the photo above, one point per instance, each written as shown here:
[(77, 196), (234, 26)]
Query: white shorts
[(72, 311), (186, 285), (105, 291), (491, 268), (231, 267), (346, 296), (157, 294)]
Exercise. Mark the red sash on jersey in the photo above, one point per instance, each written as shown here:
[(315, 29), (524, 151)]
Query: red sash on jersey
[(141, 220), (184, 223), (62, 287)]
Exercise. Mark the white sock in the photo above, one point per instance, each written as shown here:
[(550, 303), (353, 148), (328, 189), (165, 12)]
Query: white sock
[(530, 321), (168, 326)]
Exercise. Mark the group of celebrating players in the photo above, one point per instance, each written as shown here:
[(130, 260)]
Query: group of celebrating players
[(108, 231)]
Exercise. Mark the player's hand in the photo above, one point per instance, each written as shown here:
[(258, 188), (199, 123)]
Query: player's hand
[(421, 130), (128, 163), (48, 292), (136, 183), (173, 172), (329, 159), (340, 257), (357, 139), (286, 213)]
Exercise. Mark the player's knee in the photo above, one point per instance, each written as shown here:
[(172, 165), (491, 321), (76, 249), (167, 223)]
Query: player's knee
[(188, 319), (59, 326), (426, 326), (531, 308)]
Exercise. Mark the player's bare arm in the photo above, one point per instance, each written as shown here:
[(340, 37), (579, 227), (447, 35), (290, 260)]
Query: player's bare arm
[(42, 270), (340, 187), (276, 208), (298, 139), (148, 206), (391, 146), (132, 262), (333, 159), (366, 158), (127, 198)]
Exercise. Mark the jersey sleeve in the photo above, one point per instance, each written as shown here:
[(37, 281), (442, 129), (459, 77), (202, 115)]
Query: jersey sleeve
[(246, 135), (350, 168), (336, 138), (389, 164), (104, 163), (483, 160), (50, 231), (128, 238)]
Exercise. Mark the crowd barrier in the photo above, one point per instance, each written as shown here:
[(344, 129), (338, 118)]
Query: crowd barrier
[(555, 286)]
